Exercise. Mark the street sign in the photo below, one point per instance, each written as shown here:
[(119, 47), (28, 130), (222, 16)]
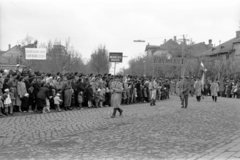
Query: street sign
[(176, 61), (115, 57)]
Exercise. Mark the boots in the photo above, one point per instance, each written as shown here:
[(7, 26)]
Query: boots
[(154, 102), (69, 108), (80, 106), (114, 112), (120, 111), (151, 103)]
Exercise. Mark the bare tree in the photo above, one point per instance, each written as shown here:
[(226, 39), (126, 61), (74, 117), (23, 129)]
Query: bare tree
[(99, 62)]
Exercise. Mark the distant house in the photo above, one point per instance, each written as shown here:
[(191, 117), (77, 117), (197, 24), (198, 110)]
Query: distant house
[(174, 48), (14, 55), (224, 50)]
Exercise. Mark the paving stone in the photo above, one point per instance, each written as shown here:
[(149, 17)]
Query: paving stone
[(165, 131)]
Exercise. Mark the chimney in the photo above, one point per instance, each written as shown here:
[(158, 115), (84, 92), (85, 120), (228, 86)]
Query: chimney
[(175, 38), (9, 46), (165, 40), (210, 43), (238, 34)]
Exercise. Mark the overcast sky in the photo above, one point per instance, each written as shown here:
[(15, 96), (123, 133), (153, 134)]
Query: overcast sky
[(116, 23)]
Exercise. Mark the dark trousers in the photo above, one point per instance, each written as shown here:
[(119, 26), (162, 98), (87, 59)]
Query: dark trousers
[(184, 101), (214, 98), (198, 98)]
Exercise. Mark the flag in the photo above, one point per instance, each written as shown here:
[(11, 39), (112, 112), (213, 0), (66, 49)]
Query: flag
[(203, 78), (202, 67)]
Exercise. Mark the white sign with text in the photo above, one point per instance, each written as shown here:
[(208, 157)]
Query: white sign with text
[(36, 53)]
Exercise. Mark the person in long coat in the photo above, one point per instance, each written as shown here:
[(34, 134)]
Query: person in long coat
[(214, 90), (36, 83), (153, 90), (184, 92), (13, 87), (116, 90), (68, 91), (198, 89), (22, 95)]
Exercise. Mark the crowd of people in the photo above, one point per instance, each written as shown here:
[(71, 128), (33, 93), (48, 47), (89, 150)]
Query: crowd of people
[(29, 91)]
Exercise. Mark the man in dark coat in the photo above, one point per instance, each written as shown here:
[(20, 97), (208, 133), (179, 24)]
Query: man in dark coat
[(41, 97), (36, 84), (184, 91)]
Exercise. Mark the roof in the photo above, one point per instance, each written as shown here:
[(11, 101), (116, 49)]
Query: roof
[(198, 49), (223, 48), (170, 43), (175, 48), (150, 47)]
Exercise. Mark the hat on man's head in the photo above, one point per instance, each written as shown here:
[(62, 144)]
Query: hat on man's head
[(6, 90)]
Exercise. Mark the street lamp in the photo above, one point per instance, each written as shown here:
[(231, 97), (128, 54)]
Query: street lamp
[(141, 56), (139, 40)]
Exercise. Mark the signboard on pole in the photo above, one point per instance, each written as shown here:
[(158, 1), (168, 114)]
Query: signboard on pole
[(115, 57), (176, 61), (36, 53)]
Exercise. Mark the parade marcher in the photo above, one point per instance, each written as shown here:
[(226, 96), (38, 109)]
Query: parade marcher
[(116, 90), (214, 90), (184, 92), (152, 87), (198, 89), (167, 86)]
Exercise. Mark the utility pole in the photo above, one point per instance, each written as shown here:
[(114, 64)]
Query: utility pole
[(183, 53)]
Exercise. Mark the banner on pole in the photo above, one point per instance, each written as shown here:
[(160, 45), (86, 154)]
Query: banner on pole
[(115, 57), (173, 61), (36, 53)]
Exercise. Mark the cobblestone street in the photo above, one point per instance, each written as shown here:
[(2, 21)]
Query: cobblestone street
[(205, 130)]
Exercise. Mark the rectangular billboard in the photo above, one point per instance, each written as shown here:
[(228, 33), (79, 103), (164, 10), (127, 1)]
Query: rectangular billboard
[(115, 57), (176, 61), (36, 53)]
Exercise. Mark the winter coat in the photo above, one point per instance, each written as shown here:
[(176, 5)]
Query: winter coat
[(214, 89), (198, 88), (43, 93)]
